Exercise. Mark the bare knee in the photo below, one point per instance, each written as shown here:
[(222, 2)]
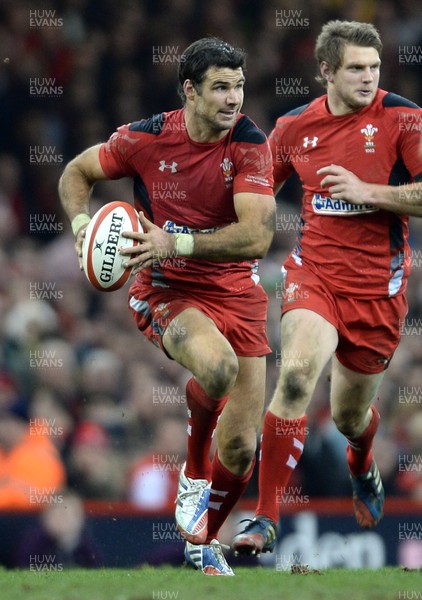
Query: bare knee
[(220, 376), (296, 384), (350, 421), (237, 453)]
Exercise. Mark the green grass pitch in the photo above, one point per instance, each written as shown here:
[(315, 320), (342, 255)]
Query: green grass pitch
[(168, 583)]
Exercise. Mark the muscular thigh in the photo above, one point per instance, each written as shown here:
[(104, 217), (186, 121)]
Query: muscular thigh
[(185, 327), (308, 341), (193, 339), (309, 323), (242, 414)]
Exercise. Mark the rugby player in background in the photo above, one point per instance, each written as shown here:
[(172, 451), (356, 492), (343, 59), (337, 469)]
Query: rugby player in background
[(356, 151)]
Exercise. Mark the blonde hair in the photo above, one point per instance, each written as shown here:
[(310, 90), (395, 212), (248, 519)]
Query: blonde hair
[(335, 35)]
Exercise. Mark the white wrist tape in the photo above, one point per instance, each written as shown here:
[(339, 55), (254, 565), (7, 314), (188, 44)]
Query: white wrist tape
[(183, 244), (78, 221)]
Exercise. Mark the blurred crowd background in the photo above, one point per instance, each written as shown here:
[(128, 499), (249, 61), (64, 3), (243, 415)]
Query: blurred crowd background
[(86, 402)]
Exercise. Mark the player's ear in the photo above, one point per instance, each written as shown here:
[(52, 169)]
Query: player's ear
[(189, 89), (326, 72)]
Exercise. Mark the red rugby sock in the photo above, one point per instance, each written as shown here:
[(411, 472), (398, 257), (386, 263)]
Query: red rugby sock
[(281, 448), (203, 416), (226, 489), (359, 450)]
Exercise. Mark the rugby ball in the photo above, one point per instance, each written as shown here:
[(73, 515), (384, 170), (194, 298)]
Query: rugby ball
[(102, 263)]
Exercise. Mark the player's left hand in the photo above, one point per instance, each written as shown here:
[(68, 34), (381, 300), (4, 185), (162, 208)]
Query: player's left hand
[(344, 185), (155, 244)]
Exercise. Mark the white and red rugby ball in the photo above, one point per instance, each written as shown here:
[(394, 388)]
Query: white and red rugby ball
[(102, 263)]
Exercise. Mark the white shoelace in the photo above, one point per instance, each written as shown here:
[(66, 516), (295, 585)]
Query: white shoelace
[(190, 497)]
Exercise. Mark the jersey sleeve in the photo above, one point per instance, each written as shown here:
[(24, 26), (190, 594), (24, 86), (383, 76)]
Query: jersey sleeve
[(410, 127), (117, 152), (253, 161), (279, 149)]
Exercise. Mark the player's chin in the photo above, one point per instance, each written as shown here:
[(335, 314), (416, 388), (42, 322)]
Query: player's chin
[(365, 99), (227, 120)]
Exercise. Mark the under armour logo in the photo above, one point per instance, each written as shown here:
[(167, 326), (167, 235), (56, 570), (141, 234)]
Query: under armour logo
[(164, 166), (307, 141)]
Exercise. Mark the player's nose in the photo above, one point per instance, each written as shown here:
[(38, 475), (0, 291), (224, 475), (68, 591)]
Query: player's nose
[(233, 96), (368, 75)]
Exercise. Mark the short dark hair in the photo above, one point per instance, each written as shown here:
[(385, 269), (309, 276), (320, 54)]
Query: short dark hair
[(203, 54), (335, 35)]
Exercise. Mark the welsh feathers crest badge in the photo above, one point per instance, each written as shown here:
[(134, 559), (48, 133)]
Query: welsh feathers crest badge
[(227, 168), (369, 131)]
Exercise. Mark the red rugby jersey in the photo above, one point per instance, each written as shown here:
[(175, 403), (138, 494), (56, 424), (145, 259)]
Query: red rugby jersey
[(186, 186), (359, 250)]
